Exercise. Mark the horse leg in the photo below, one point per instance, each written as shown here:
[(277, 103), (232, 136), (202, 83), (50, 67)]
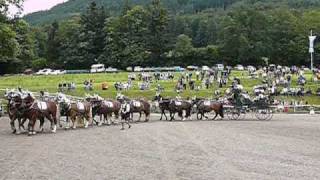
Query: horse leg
[(86, 122), (55, 122), (12, 120), (164, 113), (67, 122), (22, 123), (215, 116), (31, 126), (101, 120), (140, 114), (41, 129), (161, 115), (73, 119), (147, 116)]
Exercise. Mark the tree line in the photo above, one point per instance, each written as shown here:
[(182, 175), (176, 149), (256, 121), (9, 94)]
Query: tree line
[(151, 35)]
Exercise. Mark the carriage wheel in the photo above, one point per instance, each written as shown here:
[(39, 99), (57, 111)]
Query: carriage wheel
[(264, 114), (235, 114)]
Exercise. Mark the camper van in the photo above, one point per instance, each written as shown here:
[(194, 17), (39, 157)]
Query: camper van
[(97, 68)]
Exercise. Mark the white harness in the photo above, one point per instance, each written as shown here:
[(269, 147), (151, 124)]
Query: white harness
[(207, 103), (80, 105), (42, 105), (109, 104), (136, 103)]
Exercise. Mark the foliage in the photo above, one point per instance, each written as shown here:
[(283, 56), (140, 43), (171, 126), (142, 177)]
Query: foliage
[(161, 33)]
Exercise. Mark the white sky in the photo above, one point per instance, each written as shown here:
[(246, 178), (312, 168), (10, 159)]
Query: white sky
[(30, 6)]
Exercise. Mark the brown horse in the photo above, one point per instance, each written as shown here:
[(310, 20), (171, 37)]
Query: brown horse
[(178, 106), (15, 111), (75, 110), (207, 106), (163, 105), (34, 110), (137, 106), (104, 107)]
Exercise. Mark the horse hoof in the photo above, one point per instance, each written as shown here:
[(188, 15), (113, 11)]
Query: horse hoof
[(66, 128), (122, 129), (29, 133), (34, 133), (129, 126), (146, 120), (18, 132), (14, 131)]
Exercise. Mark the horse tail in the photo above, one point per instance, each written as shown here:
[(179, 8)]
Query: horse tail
[(221, 111), (58, 115)]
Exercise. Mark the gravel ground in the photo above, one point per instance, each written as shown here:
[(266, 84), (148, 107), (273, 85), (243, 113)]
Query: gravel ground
[(288, 147)]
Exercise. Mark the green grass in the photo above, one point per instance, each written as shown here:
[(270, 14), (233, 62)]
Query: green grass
[(50, 84)]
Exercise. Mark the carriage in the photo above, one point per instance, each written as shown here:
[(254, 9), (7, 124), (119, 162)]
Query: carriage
[(242, 104)]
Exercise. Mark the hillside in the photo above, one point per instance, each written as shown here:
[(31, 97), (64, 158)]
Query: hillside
[(74, 7)]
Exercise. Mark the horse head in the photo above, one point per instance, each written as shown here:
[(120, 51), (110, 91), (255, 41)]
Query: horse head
[(62, 99)]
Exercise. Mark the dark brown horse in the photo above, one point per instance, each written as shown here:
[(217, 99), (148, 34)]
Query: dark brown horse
[(15, 111), (75, 110), (34, 110), (137, 106), (207, 106), (178, 106), (163, 105), (104, 107)]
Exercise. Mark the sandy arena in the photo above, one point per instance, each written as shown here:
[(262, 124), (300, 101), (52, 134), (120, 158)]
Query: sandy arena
[(288, 147)]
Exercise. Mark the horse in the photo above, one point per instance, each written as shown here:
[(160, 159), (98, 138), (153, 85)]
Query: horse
[(104, 107), (178, 106), (75, 110), (207, 106), (163, 105), (14, 110), (136, 106), (125, 111), (34, 110)]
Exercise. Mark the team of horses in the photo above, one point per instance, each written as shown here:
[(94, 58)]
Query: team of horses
[(23, 106)]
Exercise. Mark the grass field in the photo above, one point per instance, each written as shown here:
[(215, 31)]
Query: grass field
[(50, 84)]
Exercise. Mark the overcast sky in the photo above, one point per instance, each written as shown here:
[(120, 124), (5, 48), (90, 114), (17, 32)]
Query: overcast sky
[(30, 6)]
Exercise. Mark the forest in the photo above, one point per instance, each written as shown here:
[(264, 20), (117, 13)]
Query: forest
[(79, 33)]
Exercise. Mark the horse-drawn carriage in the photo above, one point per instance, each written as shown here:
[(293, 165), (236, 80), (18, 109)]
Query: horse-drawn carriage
[(241, 104)]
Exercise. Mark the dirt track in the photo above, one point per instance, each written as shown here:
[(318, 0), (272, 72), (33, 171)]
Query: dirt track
[(288, 147)]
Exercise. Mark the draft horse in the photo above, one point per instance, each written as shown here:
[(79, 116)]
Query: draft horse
[(207, 106), (136, 106), (105, 108), (75, 110), (34, 110)]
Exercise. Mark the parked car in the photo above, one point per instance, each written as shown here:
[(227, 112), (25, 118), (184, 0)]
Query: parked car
[(111, 70), (57, 72), (97, 68), (220, 67), (239, 67), (28, 72), (251, 68), (138, 69), (192, 68), (44, 72), (205, 68)]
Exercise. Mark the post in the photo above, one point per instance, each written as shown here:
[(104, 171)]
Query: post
[(311, 67), (312, 38)]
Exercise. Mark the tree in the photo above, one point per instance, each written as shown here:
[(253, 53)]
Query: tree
[(91, 37), (26, 43), (157, 31), (126, 41), (53, 45)]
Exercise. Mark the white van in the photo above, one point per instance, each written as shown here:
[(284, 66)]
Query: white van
[(97, 68)]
